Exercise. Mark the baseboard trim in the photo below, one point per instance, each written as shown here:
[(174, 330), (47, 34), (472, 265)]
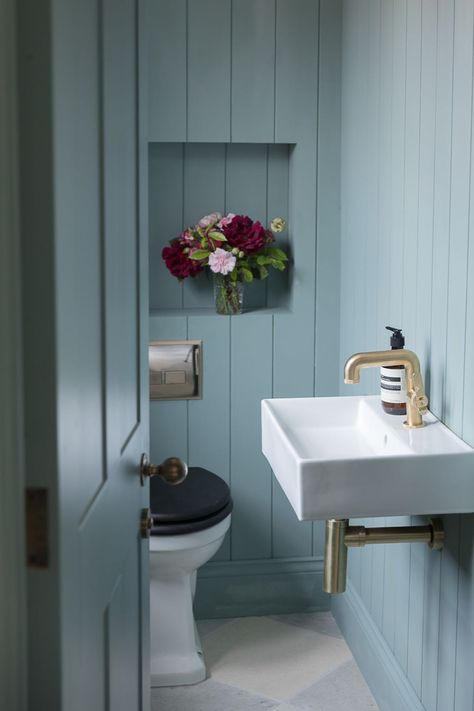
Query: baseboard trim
[(383, 673), (260, 587)]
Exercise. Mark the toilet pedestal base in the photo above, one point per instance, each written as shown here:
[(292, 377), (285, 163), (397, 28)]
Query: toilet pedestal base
[(176, 657)]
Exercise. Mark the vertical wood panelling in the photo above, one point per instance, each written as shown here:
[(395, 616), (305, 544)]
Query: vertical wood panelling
[(211, 414), (399, 204), (165, 203), (296, 70), (448, 601), (250, 474), (420, 110), (167, 78), (209, 57), (294, 347), (442, 190), (277, 206), (267, 167), (459, 210), (423, 321), (253, 71), (203, 193), (411, 158), (464, 688), (246, 193), (328, 201)]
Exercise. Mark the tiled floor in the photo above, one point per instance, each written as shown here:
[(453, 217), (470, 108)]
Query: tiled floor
[(284, 662)]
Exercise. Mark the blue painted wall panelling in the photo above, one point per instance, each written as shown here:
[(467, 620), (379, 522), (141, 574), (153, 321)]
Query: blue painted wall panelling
[(407, 257), (226, 136)]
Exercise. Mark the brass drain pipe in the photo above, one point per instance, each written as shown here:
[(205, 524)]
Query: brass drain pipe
[(340, 536)]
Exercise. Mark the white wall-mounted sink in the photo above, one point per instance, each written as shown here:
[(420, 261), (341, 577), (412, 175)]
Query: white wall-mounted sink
[(343, 457)]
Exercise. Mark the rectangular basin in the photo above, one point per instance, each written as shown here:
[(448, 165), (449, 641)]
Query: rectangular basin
[(344, 457)]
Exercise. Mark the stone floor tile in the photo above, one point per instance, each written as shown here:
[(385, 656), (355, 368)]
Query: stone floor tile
[(210, 695), (271, 658), (322, 622), (342, 689), (207, 626)]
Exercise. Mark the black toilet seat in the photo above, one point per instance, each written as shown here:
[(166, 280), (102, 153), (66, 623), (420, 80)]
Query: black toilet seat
[(201, 501)]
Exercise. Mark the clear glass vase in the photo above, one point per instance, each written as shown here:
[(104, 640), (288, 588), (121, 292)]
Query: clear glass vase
[(228, 295)]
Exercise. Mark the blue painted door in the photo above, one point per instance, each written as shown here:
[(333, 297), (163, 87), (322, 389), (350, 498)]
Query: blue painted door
[(85, 314)]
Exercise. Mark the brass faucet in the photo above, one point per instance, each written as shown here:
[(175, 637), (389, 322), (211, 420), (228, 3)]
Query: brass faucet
[(417, 402)]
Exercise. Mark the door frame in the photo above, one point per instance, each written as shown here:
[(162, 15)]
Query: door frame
[(13, 666)]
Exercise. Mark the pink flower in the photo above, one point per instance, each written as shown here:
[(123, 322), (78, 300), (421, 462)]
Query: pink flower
[(221, 261), (226, 220), (186, 237), (209, 220)]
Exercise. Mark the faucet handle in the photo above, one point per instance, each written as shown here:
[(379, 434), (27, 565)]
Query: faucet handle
[(421, 403), (417, 396), (419, 400)]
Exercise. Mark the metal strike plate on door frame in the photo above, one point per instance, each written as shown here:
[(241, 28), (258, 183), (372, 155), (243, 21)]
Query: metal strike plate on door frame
[(146, 523), (176, 370)]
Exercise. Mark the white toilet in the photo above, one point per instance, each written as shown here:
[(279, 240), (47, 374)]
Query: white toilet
[(190, 521)]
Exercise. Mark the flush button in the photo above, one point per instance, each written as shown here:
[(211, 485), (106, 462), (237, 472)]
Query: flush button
[(174, 377)]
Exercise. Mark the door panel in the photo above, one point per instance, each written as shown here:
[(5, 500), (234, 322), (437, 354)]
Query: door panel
[(96, 367)]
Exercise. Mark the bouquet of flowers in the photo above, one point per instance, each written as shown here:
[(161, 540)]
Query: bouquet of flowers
[(234, 247)]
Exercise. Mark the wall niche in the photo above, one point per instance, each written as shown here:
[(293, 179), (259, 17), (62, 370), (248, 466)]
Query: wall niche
[(189, 180)]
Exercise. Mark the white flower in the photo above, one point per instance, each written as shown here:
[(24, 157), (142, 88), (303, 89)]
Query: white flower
[(278, 224), (221, 261)]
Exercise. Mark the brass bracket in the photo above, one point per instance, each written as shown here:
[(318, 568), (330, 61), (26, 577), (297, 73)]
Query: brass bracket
[(340, 536), (37, 527)]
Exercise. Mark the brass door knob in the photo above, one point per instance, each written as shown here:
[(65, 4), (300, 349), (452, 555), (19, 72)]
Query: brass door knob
[(173, 470), (146, 523)]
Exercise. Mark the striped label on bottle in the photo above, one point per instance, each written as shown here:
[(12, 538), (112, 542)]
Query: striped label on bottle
[(393, 385)]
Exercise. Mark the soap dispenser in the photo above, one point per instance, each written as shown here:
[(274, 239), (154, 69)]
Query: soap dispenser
[(393, 389)]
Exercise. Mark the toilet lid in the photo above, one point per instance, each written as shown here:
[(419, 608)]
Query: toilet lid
[(200, 495)]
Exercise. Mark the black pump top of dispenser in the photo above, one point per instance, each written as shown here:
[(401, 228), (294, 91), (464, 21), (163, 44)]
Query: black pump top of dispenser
[(397, 340)]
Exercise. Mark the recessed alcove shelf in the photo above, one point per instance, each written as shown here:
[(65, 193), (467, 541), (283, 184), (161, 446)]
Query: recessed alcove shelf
[(189, 180), (210, 312)]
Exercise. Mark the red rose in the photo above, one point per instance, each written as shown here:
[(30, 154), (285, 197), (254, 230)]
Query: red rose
[(246, 235), (178, 263)]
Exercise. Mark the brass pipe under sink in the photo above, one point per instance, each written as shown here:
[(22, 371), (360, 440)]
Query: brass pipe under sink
[(340, 536)]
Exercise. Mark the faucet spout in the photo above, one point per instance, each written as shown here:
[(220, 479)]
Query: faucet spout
[(417, 402)]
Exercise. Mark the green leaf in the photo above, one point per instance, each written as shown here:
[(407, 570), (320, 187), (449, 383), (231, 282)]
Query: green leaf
[(277, 253), (234, 275), (276, 264), (217, 236), (246, 274), (200, 254), (263, 272), (262, 259)]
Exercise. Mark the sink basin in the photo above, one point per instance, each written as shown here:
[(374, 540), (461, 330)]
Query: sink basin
[(343, 457)]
